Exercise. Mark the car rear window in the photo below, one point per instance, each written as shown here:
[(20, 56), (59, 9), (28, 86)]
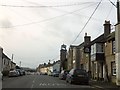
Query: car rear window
[(80, 72)]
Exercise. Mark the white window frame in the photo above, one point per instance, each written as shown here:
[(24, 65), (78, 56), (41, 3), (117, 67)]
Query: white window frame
[(113, 46), (113, 69)]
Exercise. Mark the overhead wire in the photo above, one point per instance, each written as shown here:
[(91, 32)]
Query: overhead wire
[(41, 6), (47, 19), (87, 22), (64, 10), (109, 12), (112, 3)]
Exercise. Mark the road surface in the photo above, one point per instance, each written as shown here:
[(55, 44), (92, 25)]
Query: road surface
[(39, 81)]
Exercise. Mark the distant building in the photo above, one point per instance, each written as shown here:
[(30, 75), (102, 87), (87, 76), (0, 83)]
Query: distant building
[(56, 66), (45, 68)]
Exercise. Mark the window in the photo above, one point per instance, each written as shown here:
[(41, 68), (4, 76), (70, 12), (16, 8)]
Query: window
[(113, 47), (113, 68), (92, 50), (99, 48), (93, 57)]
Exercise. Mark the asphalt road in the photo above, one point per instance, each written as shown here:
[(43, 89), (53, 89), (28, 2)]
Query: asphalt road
[(39, 81)]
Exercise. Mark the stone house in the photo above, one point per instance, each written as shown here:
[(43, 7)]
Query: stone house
[(110, 57), (70, 59), (97, 57), (6, 63)]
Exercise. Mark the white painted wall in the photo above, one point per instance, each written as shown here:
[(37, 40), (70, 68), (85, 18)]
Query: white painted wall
[(56, 66)]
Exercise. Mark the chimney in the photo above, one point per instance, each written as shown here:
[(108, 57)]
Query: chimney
[(87, 39), (107, 28)]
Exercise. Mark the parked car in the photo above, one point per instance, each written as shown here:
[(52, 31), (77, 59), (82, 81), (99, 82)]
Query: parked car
[(23, 72), (13, 73), (63, 74), (55, 74), (77, 76), (20, 72)]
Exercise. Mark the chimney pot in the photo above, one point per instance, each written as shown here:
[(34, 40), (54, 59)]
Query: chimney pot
[(107, 28)]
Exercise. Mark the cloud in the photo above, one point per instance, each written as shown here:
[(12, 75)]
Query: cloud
[(38, 42)]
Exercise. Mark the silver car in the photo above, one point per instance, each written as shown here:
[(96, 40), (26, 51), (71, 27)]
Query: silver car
[(13, 73)]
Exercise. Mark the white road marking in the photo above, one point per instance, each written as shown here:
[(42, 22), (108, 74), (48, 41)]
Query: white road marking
[(51, 84), (33, 83)]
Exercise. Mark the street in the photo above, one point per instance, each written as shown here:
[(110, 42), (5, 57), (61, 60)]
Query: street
[(39, 81)]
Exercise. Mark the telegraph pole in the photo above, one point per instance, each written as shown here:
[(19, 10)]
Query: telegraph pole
[(117, 43)]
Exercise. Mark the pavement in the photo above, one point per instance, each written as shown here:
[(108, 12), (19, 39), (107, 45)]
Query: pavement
[(104, 85)]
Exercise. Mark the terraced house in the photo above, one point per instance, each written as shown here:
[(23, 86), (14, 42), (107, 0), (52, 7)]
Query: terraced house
[(96, 56), (6, 63), (110, 57)]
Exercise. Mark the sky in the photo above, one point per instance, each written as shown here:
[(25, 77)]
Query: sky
[(34, 30)]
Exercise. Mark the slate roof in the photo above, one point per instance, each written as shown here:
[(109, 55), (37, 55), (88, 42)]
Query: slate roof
[(5, 56)]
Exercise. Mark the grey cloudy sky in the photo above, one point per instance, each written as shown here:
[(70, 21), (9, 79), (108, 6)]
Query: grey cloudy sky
[(33, 30)]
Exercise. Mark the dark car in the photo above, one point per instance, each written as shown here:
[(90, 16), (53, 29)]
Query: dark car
[(63, 74), (77, 76), (56, 74)]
